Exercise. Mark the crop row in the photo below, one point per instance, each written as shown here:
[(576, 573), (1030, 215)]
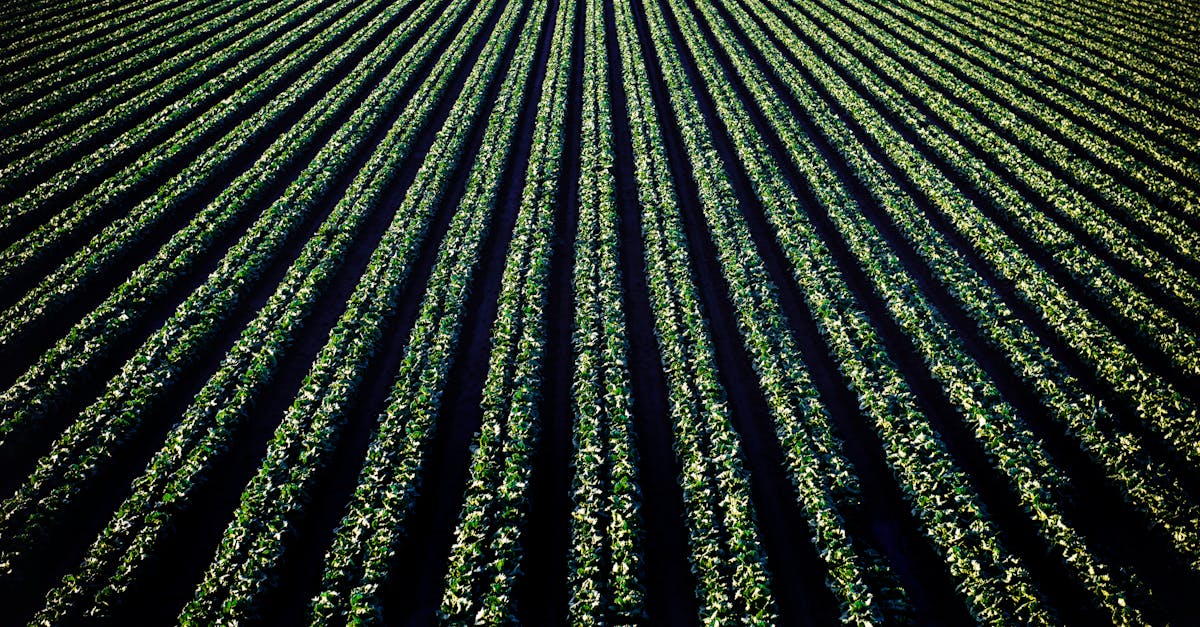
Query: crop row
[(1153, 15), (1136, 49), (23, 12), (255, 540), (144, 152), (982, 122), (1161, 21), (209, 425), (486, 557), (1105, 171), (1160, 405), (38, 130), (42, 387), (888, 257), (226, 583), (1144, 132), (156, 365), (1066, 72), (1119, 63), (1014, 450), (726, 556), (940, 492), (1069, 213), (606, 575), (363, 554), (827, 485), (1081, 411), (55, 24), (141, 40)]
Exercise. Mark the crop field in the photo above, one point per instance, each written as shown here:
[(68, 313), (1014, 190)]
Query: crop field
[(590, 312)]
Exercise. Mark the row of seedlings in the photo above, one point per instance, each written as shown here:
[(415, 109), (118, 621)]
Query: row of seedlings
[(726, 558), (1160, 404), (55, 24), (1065, 72), (1120, 63), (486, 557), (257, 537), (40, 389), (129, 398), (34, 129), (1152, 15), (1132, 48), (1013, 449), (79, 190), (364, 549), (20, 16), (1159, 22), (606, 574), (1144, 140), (111, 245), (1122, 178), (112, 57), (996, 583), (1166, 20), (251, 114), (1068, 195), (827, 485), (212, 422), (1084, 416), (64, 166)]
